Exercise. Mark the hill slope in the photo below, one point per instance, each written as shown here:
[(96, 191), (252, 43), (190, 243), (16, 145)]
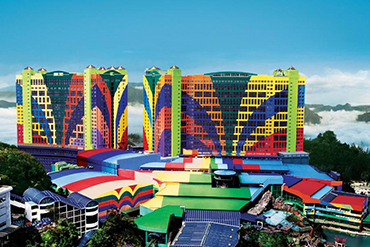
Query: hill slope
[(6, 104), (311, 117), (364, 117), (339, 107)]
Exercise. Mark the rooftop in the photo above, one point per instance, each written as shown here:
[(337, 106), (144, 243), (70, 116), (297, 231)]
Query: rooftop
[(307, 171), (5, 188), (206, 234), (75, 199), (158, 220), (214, 216), (230, 74)]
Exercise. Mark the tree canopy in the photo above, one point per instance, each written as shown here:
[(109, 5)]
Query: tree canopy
[(117, 230), (64, 235), (135, 139), (251, 237), (328, 153), (135, 95), (27, 237), (21, 170)]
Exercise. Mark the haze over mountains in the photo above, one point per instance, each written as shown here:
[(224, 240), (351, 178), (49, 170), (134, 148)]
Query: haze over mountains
[(312, 110)]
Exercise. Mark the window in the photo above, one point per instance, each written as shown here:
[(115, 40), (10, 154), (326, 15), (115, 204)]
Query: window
[(92, 219)]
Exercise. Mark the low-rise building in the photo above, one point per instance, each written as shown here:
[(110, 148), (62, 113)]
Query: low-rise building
[(320, 202), (78, 209), (5, 215)]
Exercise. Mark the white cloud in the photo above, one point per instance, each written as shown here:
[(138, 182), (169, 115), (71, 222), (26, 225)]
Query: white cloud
[(7, 80), (135, 119), (8, 129), (338, 87), (344, 125)]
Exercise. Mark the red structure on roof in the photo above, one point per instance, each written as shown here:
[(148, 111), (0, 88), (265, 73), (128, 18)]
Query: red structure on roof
[(356, 202), (307, 187)]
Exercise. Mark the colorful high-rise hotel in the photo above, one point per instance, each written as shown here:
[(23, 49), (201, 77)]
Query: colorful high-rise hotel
[(223, 113), (162, 111), (72, 110)]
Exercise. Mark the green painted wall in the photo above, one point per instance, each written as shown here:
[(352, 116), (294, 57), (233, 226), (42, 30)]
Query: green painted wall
[(175, 111), (292, 109), (27, 114), (87, 107)]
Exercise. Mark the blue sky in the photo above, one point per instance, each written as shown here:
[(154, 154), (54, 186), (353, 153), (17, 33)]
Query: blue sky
[(328, 41)]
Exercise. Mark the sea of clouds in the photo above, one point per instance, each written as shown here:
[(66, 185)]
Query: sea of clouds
[(135, 119), (344, 125), (8, 125), (334, 86)]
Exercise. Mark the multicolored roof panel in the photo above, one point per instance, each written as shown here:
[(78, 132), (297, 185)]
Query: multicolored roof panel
[(356, 203), (322, 192), (219, 163), (109, 190), (308, 187), (110, 160), (195, 191)]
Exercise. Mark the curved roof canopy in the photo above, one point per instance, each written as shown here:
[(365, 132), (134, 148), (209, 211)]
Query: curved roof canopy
[(82, 200), (39, 197)]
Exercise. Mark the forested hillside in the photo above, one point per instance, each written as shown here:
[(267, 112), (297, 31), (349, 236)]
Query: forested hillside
[(328, 153)]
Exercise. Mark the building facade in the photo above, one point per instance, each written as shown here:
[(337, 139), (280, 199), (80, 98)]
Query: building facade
[(78, 209), (5, 215), (320, 202), (72, 110), (162, 111), (227, 113)]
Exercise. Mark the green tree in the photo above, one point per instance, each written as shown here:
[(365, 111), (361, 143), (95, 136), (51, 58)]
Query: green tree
[(117, 230), (7, 146), (134, 139), (278, 239), (248, 237), (251, 237), (64, 235), (28, 237), (328, 153), (135, 95), (21, 170)]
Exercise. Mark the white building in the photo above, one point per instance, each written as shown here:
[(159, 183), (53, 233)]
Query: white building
[(5, 214), (78, 209)]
